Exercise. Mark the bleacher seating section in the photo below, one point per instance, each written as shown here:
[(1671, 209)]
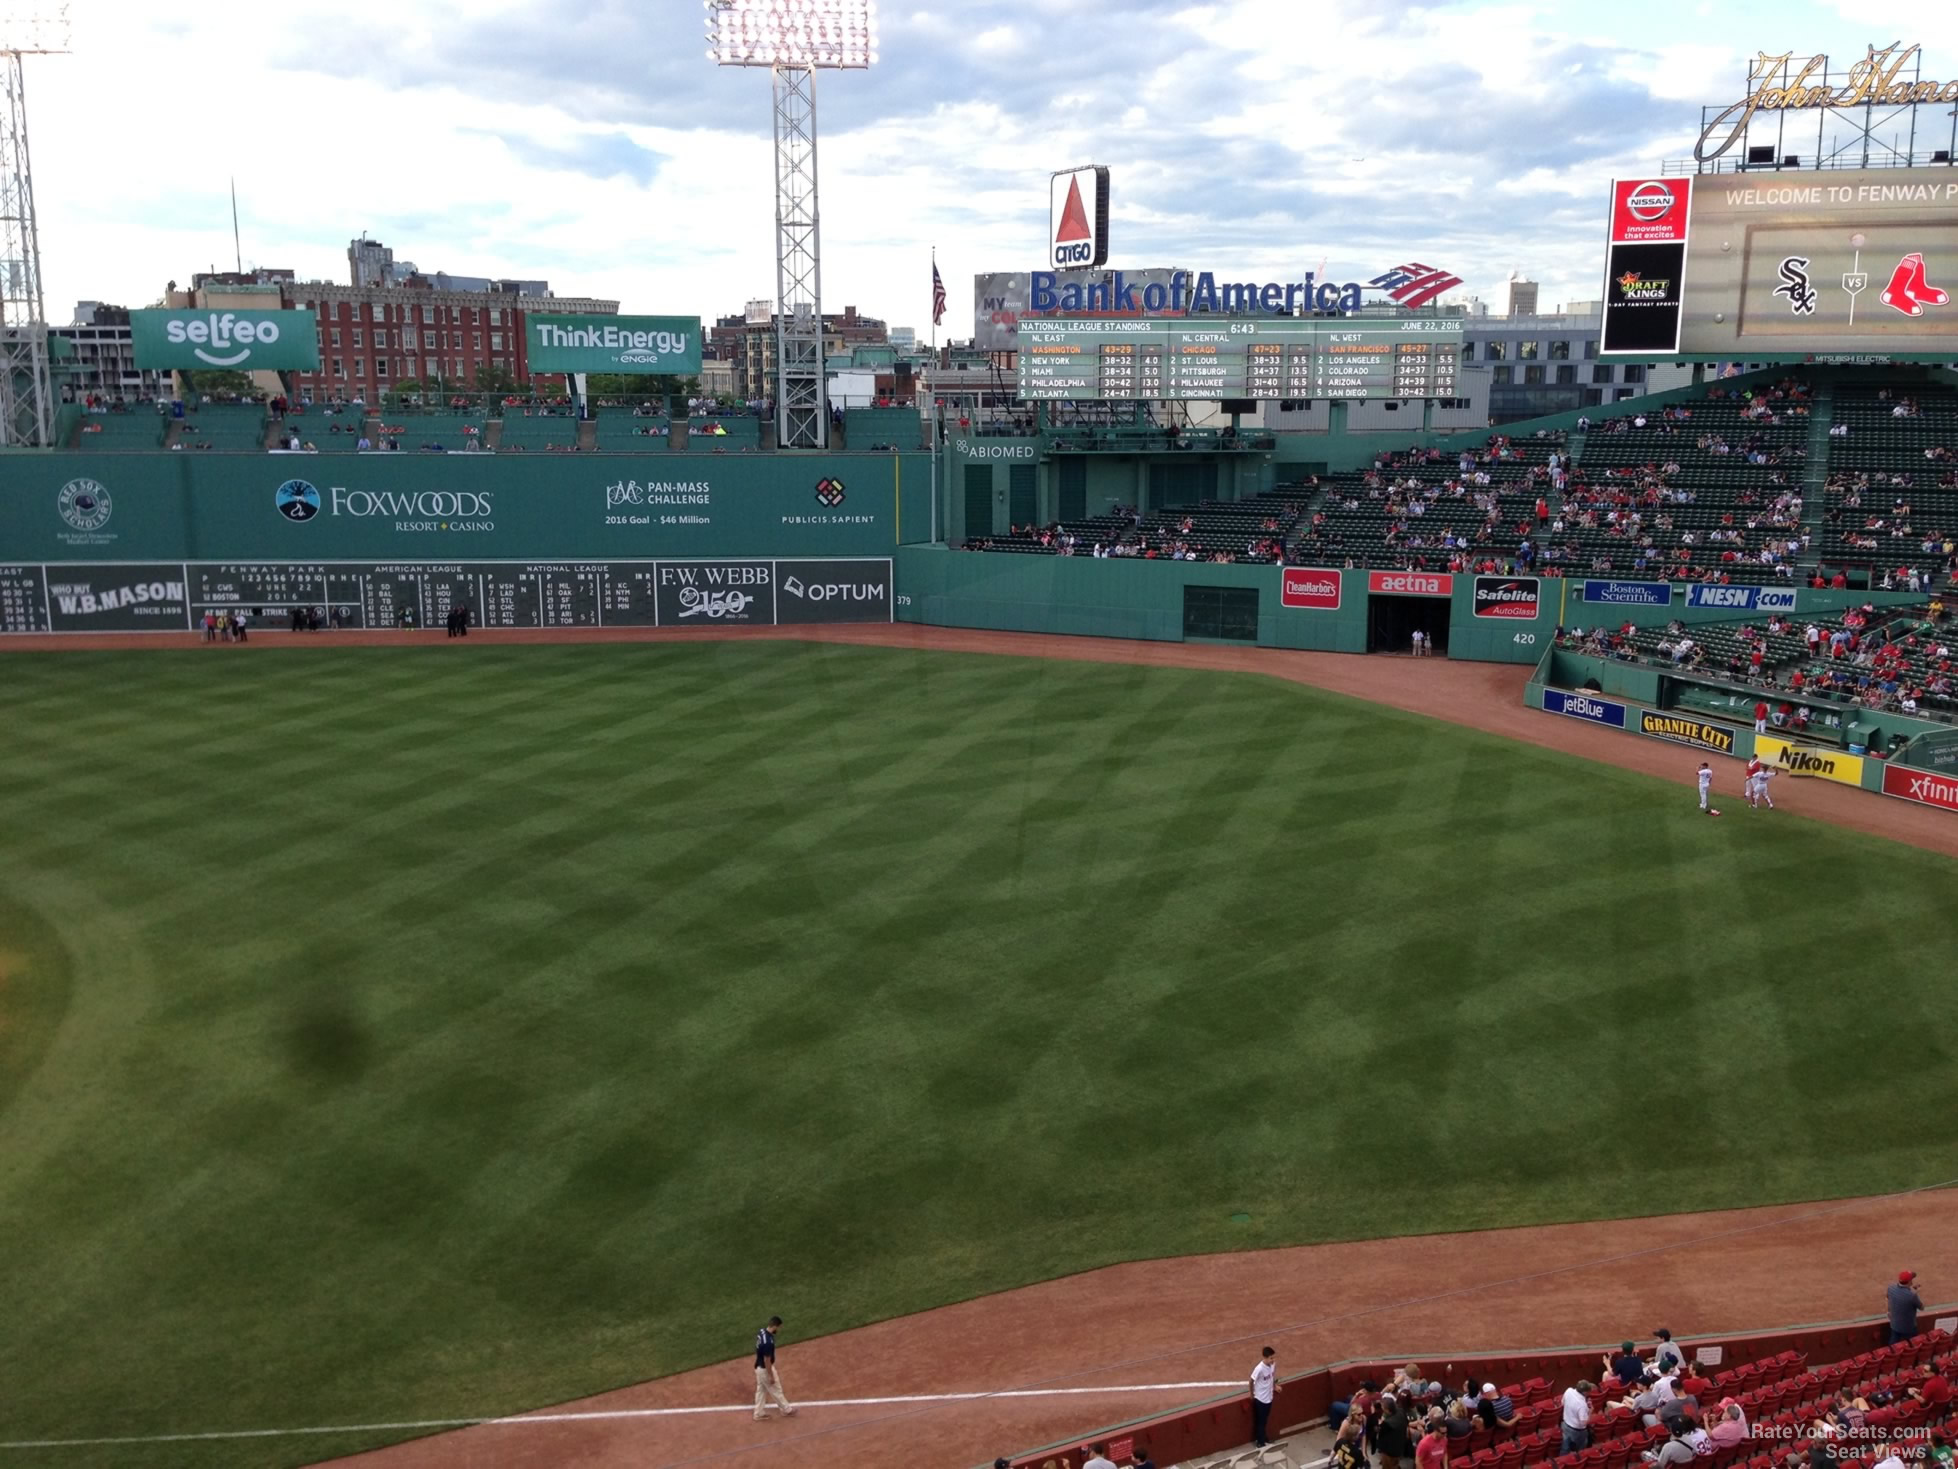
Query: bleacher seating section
[(328, 432), (537, 433), (620, 431), (1688, 477), (740, 431), (1370, 517), (225, 427), (1782, 1397), (140, 428), (901, 428), (1873, 521), (453, 431), (1252, 529)]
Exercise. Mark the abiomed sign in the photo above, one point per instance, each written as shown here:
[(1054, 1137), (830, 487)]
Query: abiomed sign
[(637, 344), (242, 341)]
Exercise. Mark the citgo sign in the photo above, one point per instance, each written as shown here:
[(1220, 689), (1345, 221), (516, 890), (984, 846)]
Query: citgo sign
[(1310, 586)]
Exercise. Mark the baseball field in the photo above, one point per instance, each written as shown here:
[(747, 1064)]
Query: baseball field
[(425, 1033)]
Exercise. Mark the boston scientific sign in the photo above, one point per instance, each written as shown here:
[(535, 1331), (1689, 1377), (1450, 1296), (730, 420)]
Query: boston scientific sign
[(1780, 83)]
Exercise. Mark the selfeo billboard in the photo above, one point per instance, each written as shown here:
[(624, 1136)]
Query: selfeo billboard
[(240, 340)]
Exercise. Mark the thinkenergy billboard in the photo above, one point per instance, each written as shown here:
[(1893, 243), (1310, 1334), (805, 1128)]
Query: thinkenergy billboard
[(634, 344), (1862, 262)]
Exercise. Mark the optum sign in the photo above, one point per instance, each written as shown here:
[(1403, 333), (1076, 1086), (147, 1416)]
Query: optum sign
[(245, 341)]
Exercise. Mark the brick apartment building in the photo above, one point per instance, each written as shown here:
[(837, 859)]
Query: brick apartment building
[(396, 324)]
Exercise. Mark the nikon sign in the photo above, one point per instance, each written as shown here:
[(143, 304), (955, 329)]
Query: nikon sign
[(648, 344), (243, 341)]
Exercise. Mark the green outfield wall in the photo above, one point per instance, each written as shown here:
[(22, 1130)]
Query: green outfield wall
[(136, 508)]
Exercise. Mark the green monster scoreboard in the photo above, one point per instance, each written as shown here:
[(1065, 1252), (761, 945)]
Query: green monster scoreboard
[(1286, 358)]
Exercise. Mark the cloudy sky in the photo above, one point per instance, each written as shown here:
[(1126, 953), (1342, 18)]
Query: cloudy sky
[(592, 143)]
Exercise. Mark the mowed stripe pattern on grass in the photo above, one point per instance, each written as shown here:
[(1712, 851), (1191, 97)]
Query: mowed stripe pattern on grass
[(441, 1032)]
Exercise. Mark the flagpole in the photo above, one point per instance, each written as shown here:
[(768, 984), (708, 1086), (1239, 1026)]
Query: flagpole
[(931, 394)]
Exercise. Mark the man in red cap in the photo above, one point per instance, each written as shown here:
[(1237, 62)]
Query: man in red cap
[(1904, 1306)]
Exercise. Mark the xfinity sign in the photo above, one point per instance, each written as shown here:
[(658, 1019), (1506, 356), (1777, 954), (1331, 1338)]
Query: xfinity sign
[(245, 341), (636, 344)]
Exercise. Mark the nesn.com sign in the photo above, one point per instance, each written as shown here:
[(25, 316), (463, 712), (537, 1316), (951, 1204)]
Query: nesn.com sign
[(1583, 706), (1742, 599)]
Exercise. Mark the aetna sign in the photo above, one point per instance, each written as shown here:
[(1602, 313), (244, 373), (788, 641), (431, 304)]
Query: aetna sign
[(1507, 596), (1310, 586), (1919, 785), (1411, 583)]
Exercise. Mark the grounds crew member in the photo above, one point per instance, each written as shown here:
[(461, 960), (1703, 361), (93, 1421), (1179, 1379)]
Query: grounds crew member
[(768, 1382)]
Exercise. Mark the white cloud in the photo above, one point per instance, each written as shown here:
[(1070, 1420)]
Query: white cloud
[(593, 144)]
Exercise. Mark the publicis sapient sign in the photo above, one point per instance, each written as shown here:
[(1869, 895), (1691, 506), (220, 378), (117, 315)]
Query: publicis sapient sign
[(239, 340), (630, 344), (1778, 83)]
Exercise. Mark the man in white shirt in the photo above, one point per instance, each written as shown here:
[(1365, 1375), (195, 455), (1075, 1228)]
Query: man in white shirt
[(1264, 1388), (1706, 787), (1577, 1418), (1099, 1459)]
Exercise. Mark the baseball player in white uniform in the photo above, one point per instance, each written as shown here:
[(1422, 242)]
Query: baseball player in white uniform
[(1757, 783), (1706, 789)]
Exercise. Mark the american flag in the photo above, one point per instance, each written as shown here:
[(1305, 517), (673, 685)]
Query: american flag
[(937, 295), (1415, 285)]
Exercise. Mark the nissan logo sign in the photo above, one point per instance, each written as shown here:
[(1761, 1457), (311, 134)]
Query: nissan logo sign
[(1650, 201)]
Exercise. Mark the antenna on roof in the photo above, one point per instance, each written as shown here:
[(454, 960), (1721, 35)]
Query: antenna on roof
[(237, 251)]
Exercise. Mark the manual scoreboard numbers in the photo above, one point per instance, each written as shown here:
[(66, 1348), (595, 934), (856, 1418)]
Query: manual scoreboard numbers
[(1269, 360), (175, 596)]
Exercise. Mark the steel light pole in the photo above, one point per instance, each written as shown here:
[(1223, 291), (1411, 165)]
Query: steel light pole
[(26, 395), (794, 39)]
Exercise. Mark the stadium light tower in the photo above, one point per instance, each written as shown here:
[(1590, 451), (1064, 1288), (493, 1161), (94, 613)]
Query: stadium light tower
[(26, 397), (794, 39)]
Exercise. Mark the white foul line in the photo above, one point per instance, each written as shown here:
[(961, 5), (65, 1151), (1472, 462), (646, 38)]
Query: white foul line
[(597, 1415)]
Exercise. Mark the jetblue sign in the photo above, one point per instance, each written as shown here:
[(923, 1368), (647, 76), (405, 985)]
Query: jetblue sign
[(1583, 706), (1629, 593), (1187, 293), (1741, 599)]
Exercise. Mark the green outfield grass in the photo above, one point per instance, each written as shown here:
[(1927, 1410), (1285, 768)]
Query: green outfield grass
[(427, 1033)]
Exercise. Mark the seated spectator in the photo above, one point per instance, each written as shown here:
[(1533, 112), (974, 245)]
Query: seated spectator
[(1625, 1365), (1460, 1422), (1674, 1453), (1496, 1409), (1731, 1428), (1934, 1391)]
